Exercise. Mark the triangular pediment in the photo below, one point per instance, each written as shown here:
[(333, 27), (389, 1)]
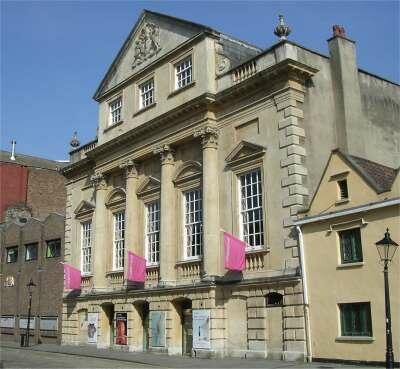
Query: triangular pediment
[(244, 151), (84, 207), (187, 171), (153, 36), (148, 185)]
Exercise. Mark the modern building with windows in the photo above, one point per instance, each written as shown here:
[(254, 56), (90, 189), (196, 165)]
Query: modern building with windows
[(32, 233), (199, 134), (344, 279)]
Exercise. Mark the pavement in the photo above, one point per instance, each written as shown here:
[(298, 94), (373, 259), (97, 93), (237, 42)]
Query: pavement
[(57, 356)]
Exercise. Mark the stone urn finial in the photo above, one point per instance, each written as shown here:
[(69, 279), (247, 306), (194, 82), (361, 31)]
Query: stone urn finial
[(282, 30), (74, 141)]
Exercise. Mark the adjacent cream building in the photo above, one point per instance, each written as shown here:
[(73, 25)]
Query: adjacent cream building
[(201, 133), (355, 202)]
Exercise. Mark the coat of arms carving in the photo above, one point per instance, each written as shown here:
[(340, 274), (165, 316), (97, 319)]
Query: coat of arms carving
[(147, 44)]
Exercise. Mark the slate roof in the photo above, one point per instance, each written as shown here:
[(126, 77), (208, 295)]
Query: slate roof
[(379, 176), (31, 161)]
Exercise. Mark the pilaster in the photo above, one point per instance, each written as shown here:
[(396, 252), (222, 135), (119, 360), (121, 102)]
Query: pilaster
[(131, 208), (212, 254), (101, 248), (168, 255)]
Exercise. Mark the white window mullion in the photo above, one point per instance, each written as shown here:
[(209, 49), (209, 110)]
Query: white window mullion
[(153, 233), (119, 240), (252, 223), (193, 224), (86, 244)]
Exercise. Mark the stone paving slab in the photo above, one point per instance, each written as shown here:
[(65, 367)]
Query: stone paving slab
[(163, 360)]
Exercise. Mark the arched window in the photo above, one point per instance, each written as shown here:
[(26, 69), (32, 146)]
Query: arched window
[(273, 299)]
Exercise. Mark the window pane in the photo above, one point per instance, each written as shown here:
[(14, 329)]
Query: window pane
[(251, 209), (193, 223), (86, 245), (119, 240), (355, 319), (153, 232), (350, 246), (53, 248)]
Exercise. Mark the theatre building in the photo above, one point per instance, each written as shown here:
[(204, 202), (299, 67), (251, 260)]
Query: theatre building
[(199, 134)]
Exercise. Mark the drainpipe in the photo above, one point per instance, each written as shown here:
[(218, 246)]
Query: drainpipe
[(305, 294)]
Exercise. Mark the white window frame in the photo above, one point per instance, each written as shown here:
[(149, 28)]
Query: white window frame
[(152, 232), (86, 247), (183, 72), (260, 207), (146, 93), (119, 240), (190, 225), (115, 111)]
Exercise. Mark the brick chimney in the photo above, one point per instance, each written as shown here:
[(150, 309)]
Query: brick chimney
[(348, 108)]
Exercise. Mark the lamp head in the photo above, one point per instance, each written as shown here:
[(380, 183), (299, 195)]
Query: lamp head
[(386, 247)]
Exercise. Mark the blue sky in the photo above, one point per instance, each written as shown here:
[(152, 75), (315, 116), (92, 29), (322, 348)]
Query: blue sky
[(55, 53)]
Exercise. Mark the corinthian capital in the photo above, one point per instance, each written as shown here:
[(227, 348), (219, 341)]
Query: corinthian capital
[(167, 154), (98, 181), (209, 136), (130, 168)]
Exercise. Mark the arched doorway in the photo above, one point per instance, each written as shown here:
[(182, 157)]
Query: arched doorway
[(274, 316), (141, 325), (107, 325), (182, 324)]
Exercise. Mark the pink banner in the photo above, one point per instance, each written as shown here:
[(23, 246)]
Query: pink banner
[(72, 278), (234, 253), (136, 268)]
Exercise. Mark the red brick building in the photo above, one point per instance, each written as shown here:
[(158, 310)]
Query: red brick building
[(32, 204)]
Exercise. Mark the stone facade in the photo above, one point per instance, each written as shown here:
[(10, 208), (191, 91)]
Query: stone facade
[(244, 114)]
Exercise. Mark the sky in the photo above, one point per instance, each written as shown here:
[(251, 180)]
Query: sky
[(55, 53)]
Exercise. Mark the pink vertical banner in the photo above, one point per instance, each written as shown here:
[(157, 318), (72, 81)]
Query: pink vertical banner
[(72, 278), (235, 253), (136, 268)]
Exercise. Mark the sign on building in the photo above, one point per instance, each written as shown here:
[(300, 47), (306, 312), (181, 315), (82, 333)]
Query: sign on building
[(157, 328), (23, 323), (121, 322), (92, 327), (9, 281), (201, 329), (49, 324)]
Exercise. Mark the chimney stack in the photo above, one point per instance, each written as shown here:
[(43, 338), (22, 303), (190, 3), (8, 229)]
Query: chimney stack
[(13, 143), (346, 88)]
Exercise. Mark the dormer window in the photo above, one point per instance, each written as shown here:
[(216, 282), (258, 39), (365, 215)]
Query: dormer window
[(343, 190), (183, 73), (115, 111), (146, 93)]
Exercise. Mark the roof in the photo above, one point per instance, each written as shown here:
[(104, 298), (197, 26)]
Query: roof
[(31, 161), (379, 176)]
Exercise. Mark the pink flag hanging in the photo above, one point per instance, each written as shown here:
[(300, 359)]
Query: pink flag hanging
[(234, 253), (72, 278), (136, 268)]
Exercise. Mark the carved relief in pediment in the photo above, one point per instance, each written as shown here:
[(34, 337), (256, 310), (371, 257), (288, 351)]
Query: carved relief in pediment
[(188, 171), (146, 44), (149, 185)]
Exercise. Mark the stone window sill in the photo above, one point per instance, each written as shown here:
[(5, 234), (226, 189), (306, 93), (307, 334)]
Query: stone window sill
[(113, 126), (179, 90), (262, 250), (350, 265), (189, 261), (153, 266), (142, 110), (355, 339)]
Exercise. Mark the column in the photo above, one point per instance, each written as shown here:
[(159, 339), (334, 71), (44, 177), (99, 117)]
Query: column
[(212, 249), (168, 216), (101, 249), (132, 209)]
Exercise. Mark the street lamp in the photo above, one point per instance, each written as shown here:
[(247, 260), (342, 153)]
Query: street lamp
[(386, 248), (30, 286)]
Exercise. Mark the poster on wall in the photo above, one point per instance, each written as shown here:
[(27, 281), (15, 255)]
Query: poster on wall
[(7, 322), (23, 323), (201, 329), (157, 328), (92, 328), (121, 323), (48, 324)]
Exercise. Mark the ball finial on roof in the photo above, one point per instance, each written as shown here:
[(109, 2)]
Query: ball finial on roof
[(74, 141), (282, 30)]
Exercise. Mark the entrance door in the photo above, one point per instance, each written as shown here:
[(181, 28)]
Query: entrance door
[(187, 334), (145, 321)]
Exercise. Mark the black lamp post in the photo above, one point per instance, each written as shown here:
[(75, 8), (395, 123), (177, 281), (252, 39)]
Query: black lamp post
[(30, 286), (386, 248)]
